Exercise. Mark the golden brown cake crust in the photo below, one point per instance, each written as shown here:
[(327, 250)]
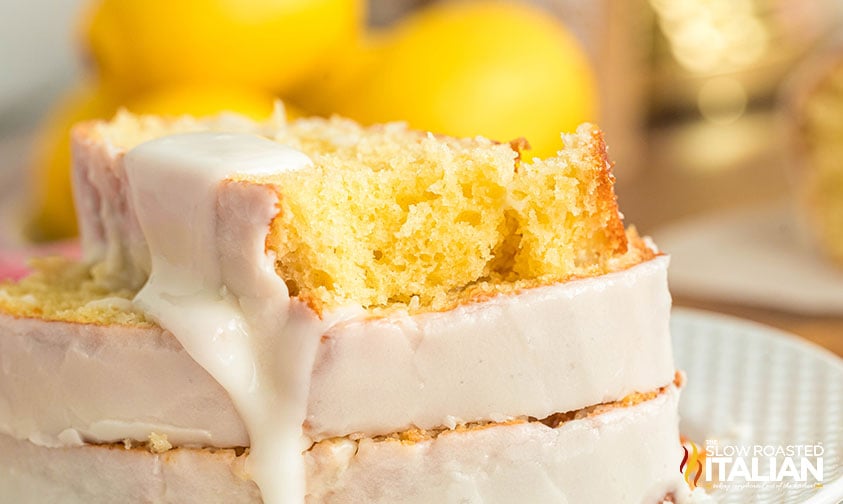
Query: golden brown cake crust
[(606, 193)]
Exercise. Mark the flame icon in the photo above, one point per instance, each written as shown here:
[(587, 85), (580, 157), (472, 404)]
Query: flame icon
[(692, 463)]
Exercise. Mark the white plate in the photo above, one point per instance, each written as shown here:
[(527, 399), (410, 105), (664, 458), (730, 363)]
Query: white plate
[(749, 384), (755, 256)]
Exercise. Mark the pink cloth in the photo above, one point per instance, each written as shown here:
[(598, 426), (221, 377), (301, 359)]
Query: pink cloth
[(14, 262)]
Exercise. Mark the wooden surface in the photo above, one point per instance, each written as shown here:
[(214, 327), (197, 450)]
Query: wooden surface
[(699, 168)]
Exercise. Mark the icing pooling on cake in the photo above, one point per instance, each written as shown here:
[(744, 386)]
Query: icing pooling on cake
[(235, 318)]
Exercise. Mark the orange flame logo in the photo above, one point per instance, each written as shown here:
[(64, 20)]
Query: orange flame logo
[(692, 463)]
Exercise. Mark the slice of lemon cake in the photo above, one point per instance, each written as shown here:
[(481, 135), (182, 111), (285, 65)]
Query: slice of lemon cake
[(314, 311)]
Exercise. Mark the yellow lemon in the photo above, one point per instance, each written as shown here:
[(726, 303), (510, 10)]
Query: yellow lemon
[(270, 44), (322, 91), (203, 100), (53, 215), (501, 70)]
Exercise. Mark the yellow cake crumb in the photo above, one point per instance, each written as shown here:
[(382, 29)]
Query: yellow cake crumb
[(61, 289), (158, 443), (399, 215)]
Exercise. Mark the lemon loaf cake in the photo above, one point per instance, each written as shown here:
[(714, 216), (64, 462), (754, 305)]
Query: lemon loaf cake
[(315, 311)]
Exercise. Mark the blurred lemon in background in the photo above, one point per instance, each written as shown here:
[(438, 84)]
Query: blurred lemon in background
[(323, 91), (266, 44), (502, 70), (54, 216), (203, 100), (197, 57)]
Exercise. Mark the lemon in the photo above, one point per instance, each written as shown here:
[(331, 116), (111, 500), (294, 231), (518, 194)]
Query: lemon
[(54, 216), (203, 100), (268, 44), (501, 70), (322, 91)]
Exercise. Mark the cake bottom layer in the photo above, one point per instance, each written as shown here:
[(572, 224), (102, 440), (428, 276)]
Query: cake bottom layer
[(617, 454)]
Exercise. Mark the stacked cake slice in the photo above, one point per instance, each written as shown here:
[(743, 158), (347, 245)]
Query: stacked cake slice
[(314, 311)]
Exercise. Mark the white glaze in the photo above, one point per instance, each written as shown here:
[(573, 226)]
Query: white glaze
[(371, 376), (237, 322), (64, 383), (627, 455), (545, 350), (108, 229)]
